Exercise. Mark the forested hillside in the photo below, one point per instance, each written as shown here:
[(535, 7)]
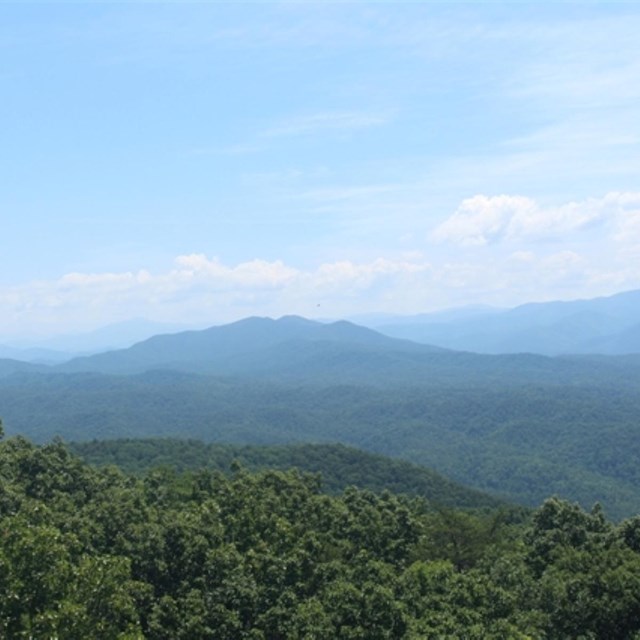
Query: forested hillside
[(92, 553), (521, 442), (519, 426), (339, 466)]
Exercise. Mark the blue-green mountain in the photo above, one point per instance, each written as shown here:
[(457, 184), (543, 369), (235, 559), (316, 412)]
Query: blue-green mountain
[(521, 426), (607, 325)]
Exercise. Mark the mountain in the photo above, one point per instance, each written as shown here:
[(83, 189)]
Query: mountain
[(9, 367), (607, 325), (296, 350), (250, 346), (522, 442), (521, 426)]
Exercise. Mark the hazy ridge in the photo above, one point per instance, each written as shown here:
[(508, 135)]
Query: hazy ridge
[(608, 325), (521, 426)]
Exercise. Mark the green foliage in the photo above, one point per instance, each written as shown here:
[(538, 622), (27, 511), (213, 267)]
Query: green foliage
[(339, 466), (517, 440), (588, 572), (92, 553)]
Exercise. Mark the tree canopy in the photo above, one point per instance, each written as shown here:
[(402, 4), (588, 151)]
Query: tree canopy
[(93, 552)]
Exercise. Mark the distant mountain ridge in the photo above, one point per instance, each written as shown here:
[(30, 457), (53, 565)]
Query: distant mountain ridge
[(606, 325), (9, 366), (520, 425), (249, 345), (294, 349), (118, 335), (34, 354)]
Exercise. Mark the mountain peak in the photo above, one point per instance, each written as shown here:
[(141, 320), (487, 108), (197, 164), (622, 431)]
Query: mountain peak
[(251, 344)]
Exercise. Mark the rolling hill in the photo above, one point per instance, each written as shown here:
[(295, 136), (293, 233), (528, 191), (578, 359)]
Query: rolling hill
[(520, 442), (340, 466), (9, 366)]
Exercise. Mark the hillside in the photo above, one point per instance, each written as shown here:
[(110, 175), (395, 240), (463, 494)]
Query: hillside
[(10, 366), (92, 553), (522, 442), (339, 466), (35, 354)]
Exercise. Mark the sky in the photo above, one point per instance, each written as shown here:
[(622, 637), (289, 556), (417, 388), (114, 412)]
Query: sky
[(197, 163)]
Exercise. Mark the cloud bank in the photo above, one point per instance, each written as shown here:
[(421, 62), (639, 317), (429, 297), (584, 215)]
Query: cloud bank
[(511, 250)]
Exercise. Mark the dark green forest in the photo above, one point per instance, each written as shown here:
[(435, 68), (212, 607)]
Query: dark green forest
[(520, 442), (339, 466), (92, 552)]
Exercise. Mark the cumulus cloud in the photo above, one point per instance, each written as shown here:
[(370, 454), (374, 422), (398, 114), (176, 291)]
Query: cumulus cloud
[(362, 275), (198, 289), (628, 222), (255, 273), (483, 220)]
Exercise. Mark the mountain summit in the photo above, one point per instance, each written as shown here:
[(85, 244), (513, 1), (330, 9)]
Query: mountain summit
[(250, 345)]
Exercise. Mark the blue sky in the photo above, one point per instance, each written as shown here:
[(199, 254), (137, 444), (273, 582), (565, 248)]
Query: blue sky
[(201, 162)]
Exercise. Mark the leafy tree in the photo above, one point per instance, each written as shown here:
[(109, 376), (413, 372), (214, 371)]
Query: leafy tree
[(94, 553)]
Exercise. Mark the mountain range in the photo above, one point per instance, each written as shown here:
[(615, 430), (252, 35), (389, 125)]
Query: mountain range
[(519, 425), (293, 350), (606, 325), (296, 350)]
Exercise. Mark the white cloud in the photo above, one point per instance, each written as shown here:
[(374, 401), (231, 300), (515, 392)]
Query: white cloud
[(94, 280), (198, 289), (336, 275), (256, 273), (628, 221), (482, 220)]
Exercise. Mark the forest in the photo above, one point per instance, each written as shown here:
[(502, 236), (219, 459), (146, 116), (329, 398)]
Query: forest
[(93, 552), (518, 426), (338, 465), (357, 487), (521, 442)]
